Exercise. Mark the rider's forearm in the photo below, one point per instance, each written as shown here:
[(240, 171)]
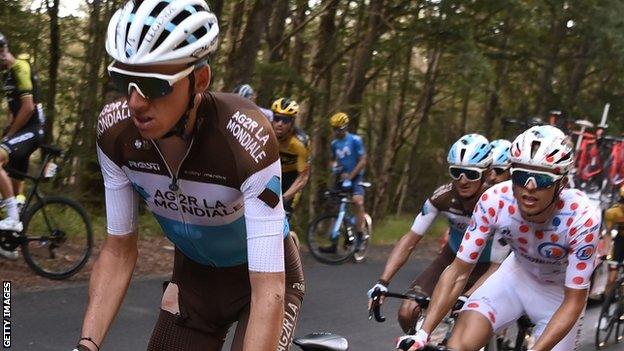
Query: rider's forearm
[(400, 253), (267, 311), (108, 285), (298, 184), (447, 291), (563, 320), (358, 168), (491, 269), (23, 115)]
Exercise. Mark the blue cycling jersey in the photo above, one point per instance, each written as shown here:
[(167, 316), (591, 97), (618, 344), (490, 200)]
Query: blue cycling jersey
[(348, 151)]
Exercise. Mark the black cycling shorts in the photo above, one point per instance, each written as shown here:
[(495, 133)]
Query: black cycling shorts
[(20, 146), (617, 254)]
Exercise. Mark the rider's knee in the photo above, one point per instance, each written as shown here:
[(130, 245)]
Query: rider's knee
[(408, 315)]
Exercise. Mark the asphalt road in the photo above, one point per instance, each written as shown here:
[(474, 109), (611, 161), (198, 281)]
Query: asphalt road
[(335, 302)]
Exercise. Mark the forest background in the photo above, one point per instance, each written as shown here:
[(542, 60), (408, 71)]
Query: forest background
[(414, 75)]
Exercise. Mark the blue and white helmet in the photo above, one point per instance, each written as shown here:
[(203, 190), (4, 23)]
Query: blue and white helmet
[(244, 90), (471, 150), (500, 153), (147, 32)]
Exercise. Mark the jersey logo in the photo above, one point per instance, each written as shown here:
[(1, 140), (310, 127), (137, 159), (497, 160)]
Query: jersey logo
[(272, 193), (552, 251), (152, 166), (585, 253), (344, 152), (250, 135)]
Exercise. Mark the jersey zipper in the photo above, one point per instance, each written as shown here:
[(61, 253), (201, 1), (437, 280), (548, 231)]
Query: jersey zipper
[(174, 185)]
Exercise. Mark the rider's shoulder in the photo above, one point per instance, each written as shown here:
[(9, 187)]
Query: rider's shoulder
[(113, 118), (443, 194), (230, 108), (302, 137)]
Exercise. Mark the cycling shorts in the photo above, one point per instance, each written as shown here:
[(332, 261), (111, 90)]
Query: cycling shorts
[(617, 253), (19, 148), (428, 279), (511, 292), (211, 299)]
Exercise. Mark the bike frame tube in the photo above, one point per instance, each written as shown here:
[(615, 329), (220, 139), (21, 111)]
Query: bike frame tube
[(341, 214)]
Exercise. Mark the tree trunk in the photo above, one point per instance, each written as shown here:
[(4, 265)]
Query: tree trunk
[(296, 57), (55, 55), (243, 60), (274, 33)]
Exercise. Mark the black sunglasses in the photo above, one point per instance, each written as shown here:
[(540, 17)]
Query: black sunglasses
[(148, 85), (283, 119)]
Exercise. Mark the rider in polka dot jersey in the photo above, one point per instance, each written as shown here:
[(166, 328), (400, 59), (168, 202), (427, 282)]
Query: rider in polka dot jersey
[(552, 232)]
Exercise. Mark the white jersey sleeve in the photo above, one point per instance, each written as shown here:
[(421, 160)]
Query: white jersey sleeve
[(480, 228), (584, 235), (264, 219), (425, 218), (122, 202)]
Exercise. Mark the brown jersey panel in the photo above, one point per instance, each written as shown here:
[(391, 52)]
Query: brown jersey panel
[(112, 121), (446, 199)]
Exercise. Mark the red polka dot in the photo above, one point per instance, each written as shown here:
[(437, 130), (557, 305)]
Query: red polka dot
[(581, 266), (573, 230), (505, 189), (467, 236), (473, 305), (512, 210), (574, 206), (573, 242), (589, 238), (484, 229), (484, 218), (570, 221), (461, 248), (523, 241), (550, 159), (560, 204), (501, 204), (474, 255), (492, 212), (523, 249), (554, 237), (578, 280), (484, 197), (479, 242), (492, 317), (558, 170), (589, 223), (524, 228), (539, 234), (517, 153)]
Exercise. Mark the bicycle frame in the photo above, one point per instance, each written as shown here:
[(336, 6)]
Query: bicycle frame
[(342, 212)]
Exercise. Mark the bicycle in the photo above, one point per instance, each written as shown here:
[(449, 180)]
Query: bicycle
[(57, 238), (332, 237), (612, 314)]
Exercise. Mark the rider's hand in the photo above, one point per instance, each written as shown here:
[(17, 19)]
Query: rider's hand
[(81, 347), (417, 341), (461, 301), (345, 176), (382, 287)]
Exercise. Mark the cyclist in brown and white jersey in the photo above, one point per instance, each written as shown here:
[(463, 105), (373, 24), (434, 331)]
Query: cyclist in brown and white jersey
[(207, 166)]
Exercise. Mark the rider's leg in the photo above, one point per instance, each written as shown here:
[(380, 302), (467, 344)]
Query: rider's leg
[(6, 187), (471, 332), (359, 205)]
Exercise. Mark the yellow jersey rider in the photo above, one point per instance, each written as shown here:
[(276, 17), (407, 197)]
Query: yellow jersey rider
[(294, 151), (615, 222)]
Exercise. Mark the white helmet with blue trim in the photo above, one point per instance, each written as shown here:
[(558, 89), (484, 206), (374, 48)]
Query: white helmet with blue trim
[(500, 153), (146, 32), (471, 150), (245, 91)]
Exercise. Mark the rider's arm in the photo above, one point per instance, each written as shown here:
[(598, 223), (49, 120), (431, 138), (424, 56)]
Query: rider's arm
[(404, 247), (264, 219), (362, 159), (499, 252), (581, 259), (23, 115), (303, 167), (113, 269), (491, 269), (24, 85)]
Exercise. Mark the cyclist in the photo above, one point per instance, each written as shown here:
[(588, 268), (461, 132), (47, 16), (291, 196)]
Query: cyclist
[(614, 218), (349, 161), (207, 166), (294, 150), (246, 91), (500, 161), (552, 231), (23, 136), (469, 161)]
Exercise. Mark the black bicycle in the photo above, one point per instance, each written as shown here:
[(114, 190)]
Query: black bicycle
[(332, 237), (611, 320), (57, 238)]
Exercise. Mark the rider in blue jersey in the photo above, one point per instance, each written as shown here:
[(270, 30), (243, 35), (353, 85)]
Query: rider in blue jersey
[(349, 160)]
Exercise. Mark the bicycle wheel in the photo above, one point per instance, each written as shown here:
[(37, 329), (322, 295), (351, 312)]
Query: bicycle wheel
[(611, 320), (59, 237), (362, 247), (326, 249)]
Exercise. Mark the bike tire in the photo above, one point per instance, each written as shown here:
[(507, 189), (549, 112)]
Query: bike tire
[(359, 255), (612, 307), (83, 242), (318, 229)]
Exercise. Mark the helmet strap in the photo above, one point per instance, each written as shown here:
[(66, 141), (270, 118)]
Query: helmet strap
[(179, 129)]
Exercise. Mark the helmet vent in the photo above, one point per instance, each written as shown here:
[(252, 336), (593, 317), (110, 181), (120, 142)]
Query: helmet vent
[(535, 145), (462, 153)]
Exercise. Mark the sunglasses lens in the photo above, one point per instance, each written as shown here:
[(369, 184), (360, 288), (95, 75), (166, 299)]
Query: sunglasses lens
[(521, 178), (470, 174), (285, 120), (152, 88)]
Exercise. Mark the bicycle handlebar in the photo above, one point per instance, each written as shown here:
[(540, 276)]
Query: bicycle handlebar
[(406, 344), (376, 295)]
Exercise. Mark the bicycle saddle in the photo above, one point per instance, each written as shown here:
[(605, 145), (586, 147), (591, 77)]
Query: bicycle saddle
[(322, 342), (584, 123), (365, 184)]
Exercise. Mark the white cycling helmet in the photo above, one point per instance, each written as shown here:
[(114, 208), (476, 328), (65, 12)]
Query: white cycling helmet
[(146, 32), (543, 146), (500, 153), (471, 150), (245, 91)]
